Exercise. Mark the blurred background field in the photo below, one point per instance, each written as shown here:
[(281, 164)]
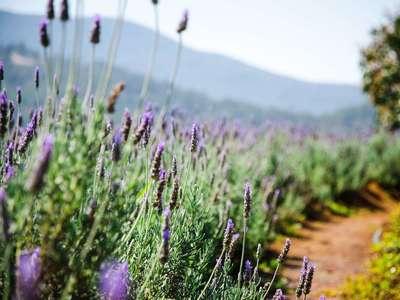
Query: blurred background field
[(149, 164)]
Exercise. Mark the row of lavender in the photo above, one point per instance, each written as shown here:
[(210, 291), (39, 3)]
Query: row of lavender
[(92, 209), (145, 208)]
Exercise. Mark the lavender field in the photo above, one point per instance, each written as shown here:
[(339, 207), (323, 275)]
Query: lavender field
[(149, 198)]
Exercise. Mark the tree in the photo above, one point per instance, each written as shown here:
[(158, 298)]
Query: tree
[(380, 65)]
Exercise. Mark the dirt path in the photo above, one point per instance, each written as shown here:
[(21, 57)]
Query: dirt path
[(338, 246)]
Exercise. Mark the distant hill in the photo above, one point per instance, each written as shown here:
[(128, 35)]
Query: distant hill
[(217, 76), (20, 63)]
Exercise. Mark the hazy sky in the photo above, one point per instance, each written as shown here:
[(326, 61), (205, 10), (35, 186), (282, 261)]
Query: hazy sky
[(316, 40)]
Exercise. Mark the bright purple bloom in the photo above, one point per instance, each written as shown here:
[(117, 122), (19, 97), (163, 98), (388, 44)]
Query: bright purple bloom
[(166, 235), (28, 274), (114, 281), (278, 295)]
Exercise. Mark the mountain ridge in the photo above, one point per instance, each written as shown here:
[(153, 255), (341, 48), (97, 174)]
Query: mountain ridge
[(218, 76)]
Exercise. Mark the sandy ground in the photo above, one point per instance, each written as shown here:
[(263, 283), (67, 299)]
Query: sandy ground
[(339, 246)]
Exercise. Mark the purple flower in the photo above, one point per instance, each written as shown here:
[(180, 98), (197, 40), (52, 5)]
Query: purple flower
[(155, 170), (64, 15), (28, 133), (166, 235), (194, 142), (44, 36), (37, 77), (285, 251), (95, 36), (116, 146), (1, 70), (144, 127), (248, 270), (278, 295), (3, 113), (228, 233), (127, 123), (35, 182), (28, 274), (19, 95), (309, 279), (50, 9), (183, 23), (114, 281), (302, 278), (8, 172), (247, 200)]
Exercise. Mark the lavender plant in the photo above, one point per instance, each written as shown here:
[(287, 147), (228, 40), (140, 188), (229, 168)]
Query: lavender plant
[(85, 191)]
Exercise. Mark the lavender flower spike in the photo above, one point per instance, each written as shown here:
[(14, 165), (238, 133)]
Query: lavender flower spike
[(50, 10), (35, 182), (155, 170), (302, 278), (37, 77), (95, 35), (1, 71), (309, 279), (194, 138), (278, 295), (228, 233), (64, 15), (144, 125), (248, 271), (44, 36), (126, 127), (114, 281), (233, 244), (3, 113), (285, 251), (28, 274), (116, 146), (166, 235), (247, 200), (19, 95), (183, 23)]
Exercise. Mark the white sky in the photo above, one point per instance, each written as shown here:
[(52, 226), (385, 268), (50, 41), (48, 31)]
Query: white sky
[(316, 40)]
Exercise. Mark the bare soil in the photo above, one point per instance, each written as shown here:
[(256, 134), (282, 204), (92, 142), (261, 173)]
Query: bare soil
[(339, 246)]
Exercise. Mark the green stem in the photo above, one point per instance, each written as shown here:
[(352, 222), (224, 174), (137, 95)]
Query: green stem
[(90, 82), (174, 73), (272, 280), (211, 276), (146, 83), (243, 249)]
